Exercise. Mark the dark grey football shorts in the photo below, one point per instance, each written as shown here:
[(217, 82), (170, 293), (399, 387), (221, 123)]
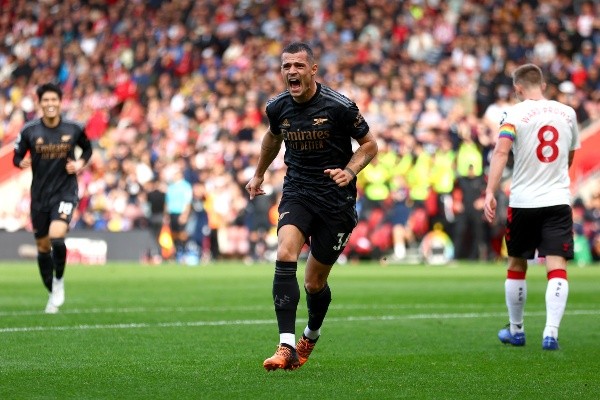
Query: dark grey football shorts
[(325, 232), (61, 211)]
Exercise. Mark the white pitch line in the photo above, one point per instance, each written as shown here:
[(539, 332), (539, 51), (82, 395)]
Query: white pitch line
[(272, 321), (266, 307), (127, 310)]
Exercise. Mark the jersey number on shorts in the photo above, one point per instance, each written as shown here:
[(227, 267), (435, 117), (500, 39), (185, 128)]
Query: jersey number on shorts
[(546, 144), (342, 241), (65, 208)]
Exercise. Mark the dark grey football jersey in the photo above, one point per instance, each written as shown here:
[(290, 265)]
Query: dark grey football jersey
[(318, 136), (50, 148)]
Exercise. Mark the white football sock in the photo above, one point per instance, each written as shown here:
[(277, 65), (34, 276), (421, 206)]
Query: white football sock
[(400, 250), (288, 338), (313, 335), (557, 293), (516, 295)]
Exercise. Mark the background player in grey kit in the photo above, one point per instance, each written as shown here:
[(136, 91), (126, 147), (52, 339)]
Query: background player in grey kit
[(51, 141), (318, 204)]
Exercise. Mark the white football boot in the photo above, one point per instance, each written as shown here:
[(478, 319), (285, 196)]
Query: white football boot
[(58, 292), (50, 307)]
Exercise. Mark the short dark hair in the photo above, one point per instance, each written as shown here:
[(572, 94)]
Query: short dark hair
[(528, 75), (48, 87), (298, 47)]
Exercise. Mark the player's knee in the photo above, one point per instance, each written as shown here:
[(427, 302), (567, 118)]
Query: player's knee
[(43, 245), (285, 254), (313, 286), (517, 264), (43, 248), (314, 283)]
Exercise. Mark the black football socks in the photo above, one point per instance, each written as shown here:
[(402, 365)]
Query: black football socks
[(286, 295), (59, 255), (46, 266), (317, 304)]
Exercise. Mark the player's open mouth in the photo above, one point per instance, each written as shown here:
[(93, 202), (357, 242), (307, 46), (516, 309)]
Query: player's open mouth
[(294, 84)]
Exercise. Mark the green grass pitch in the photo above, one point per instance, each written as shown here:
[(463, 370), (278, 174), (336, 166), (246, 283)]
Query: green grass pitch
[(171, 332)]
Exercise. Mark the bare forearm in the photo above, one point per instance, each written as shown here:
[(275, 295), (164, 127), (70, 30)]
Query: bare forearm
[(362, 156), (268, 151), (499, 160)]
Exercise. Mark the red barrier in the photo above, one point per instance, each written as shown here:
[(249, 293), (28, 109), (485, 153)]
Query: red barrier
[(587, 158), (7, 169)]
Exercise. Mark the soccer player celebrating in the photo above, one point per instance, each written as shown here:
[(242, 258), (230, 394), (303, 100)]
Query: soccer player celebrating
[(318, 204), (51, 141), (543, 136)]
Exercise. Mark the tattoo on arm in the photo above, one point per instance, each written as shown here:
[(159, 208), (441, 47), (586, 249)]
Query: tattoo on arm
[(350, 172), (269, 149), (364, 154), (360, 159)]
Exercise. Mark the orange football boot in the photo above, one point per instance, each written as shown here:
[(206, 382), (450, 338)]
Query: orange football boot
[(304, 347), (284, 358)]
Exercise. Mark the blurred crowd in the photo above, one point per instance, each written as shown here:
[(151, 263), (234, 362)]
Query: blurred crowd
[(180, 86)]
